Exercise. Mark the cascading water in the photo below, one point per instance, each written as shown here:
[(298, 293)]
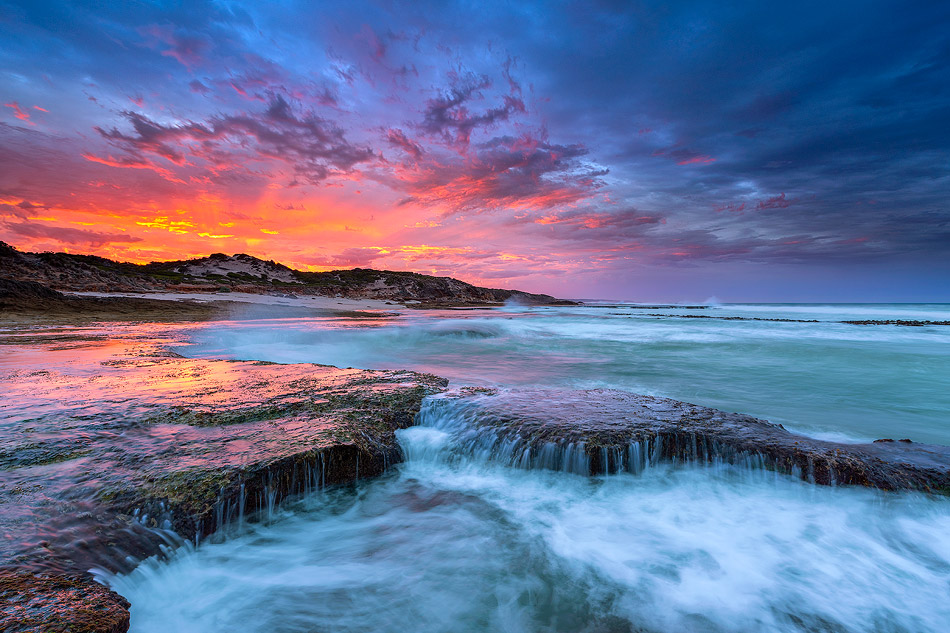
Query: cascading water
[(477, 438), (469, 535), (478, 531)]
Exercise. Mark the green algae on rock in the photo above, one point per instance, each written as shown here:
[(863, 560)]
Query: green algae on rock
[(101, 462), (174, 439)]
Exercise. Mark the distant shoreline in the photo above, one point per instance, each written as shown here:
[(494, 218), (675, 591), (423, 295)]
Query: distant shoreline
[(243, 274)]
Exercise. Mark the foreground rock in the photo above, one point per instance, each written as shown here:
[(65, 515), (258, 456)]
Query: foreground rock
[(605, 431), (100, 467), (75, 604)]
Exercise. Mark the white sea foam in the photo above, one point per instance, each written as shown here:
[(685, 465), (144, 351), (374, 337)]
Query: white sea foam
[(464, 545), (455, 541)]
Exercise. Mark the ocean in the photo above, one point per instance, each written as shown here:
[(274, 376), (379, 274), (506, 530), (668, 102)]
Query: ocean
[(450, 540)]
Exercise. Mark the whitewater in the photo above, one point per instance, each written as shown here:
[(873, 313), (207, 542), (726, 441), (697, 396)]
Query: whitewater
[(453, 540)]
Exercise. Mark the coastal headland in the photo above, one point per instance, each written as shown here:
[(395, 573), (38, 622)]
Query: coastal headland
[(224, 280)]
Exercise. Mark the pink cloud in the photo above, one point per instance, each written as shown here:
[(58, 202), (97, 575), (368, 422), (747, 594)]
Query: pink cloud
[(731, 208), (19, 112), (397, 138), (68, 235), (506, 172)]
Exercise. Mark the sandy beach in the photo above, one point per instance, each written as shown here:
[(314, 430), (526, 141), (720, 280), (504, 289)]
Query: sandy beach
[(292, 301)]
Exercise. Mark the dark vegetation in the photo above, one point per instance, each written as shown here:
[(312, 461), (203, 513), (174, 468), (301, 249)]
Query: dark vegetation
[(89, 273), (25, 300)]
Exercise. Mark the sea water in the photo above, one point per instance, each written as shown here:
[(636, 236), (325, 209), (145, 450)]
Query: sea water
[(451, 541), (826, 378)]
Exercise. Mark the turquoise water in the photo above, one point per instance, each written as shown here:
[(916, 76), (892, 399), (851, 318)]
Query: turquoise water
[(449, 541), (826, 379)]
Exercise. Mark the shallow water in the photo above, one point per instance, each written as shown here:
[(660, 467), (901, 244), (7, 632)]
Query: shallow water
[(450, 542), (827, 379)]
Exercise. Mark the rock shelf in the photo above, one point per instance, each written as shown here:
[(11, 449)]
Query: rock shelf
[(606, 431), (100, 468)]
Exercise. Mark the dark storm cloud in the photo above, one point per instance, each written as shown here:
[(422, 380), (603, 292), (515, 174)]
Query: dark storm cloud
[(830, 120), (757, 105), (448, 113), (315, 147)]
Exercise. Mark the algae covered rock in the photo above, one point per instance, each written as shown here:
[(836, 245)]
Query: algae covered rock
[(57, 604)]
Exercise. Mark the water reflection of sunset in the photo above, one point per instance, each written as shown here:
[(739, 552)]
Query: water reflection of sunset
[(103, 425)]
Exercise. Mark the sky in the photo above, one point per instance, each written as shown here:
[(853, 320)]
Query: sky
[(674, 151)]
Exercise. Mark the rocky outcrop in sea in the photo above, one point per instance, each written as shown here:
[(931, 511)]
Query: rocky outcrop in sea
[(605, 431)]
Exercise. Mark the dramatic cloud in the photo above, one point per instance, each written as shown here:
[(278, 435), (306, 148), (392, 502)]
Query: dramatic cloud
[(504, 172), (314, 147), (638, 150), (448, 114), (66, 235), (398, 138)]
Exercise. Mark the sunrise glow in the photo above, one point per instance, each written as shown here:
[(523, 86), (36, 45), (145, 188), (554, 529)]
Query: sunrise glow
[(367, 136)]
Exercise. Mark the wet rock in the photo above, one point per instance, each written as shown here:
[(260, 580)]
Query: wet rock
[(186, 444), (605, 431), (103, 464), (75, 604)]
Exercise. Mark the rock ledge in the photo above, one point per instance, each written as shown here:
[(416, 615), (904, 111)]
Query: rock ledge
[(605, 431)]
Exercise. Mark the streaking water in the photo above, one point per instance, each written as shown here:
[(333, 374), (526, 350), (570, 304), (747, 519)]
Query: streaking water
[(457, 540), (828, 379), (451, 542)]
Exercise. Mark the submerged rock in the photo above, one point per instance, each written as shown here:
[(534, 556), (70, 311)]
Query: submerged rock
[(103, 463), (907, 323), (605, 431)]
